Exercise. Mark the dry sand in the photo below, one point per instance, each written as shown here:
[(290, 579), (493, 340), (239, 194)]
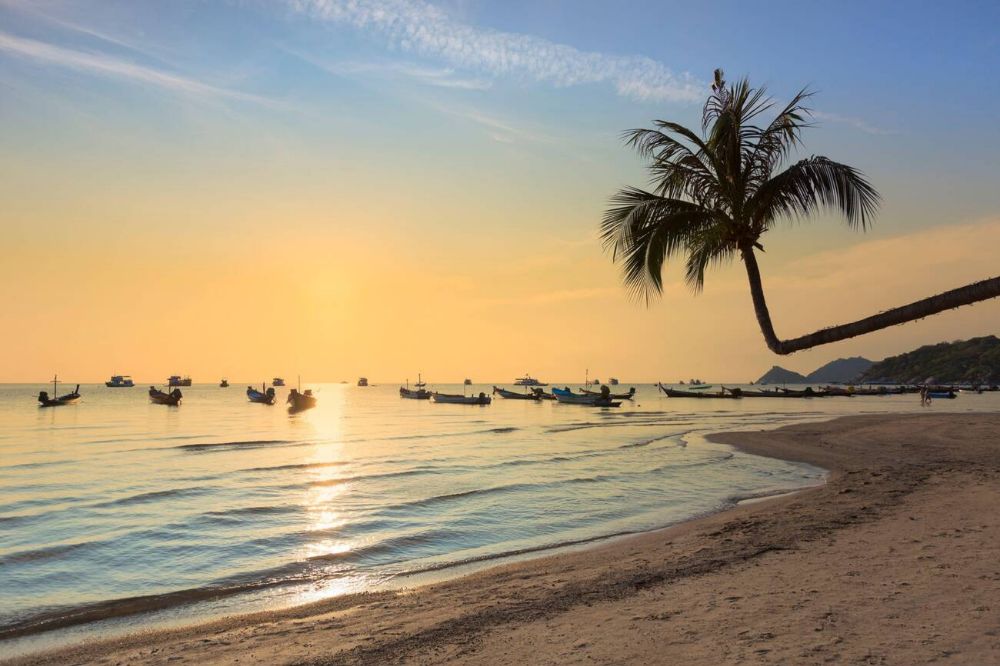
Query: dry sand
[(893, 561)]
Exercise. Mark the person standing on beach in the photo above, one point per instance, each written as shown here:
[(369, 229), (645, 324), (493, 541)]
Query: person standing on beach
[(923, 396)]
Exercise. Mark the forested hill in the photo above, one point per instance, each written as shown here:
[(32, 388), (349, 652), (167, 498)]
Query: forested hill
[(976, 360)]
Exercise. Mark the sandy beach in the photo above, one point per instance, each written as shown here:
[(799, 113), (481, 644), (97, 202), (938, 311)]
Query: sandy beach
[(893, 561)]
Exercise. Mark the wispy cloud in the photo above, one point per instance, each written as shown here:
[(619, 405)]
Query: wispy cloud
[(499, 129), (856, 123), (418, 27), (111, 67), (444, 77)]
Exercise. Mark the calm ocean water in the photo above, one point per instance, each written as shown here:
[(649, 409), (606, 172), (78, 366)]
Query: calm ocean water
[(222, 506)]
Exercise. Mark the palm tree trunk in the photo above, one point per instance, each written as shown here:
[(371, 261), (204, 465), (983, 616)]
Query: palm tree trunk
[(972, 293)]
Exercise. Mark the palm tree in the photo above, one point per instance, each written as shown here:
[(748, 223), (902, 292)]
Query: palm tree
[(715, 194)]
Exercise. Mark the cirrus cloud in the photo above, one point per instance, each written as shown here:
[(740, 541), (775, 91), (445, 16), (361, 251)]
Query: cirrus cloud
[(418, 27)]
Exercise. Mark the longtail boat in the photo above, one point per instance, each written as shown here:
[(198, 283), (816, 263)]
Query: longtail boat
[(567, 397), (172, 399), (778, 393), (514, 395), (300, 401), (613, 396), (265, 396), (57, 401), (674, 393), (456, 399)]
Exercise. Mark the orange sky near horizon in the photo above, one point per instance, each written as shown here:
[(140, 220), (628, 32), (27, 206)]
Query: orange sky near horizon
[(339, 306), (246, 190)]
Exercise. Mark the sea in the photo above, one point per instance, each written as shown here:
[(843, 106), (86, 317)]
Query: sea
[(118, 515)]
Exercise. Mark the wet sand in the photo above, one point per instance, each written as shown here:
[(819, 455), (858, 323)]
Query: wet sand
[(893, 561)]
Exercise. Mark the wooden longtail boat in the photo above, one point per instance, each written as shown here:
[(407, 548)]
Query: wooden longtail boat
[(58, 401), (299, 402), (567, 397), (265, 396), (172, 399), (674, 393), (455, 399), (514, 395), (613, 396)]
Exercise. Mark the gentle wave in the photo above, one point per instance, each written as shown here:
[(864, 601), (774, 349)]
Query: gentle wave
[(152, 496), (246, 444)]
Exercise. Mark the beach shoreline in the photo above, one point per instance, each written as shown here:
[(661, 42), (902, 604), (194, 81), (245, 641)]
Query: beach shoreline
[(878, 465)]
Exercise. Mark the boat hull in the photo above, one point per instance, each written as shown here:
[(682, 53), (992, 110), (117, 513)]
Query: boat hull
[(514, 395), (410, 394), (263, 398), (566, 397), (674, 393), (172, 399), (449, 399), (613, 396), (300, 402)]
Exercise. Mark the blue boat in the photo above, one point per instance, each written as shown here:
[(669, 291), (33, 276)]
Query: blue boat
[(264, 396)]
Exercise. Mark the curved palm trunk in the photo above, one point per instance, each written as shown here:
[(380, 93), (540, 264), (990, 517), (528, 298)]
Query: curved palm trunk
[(972, 293)]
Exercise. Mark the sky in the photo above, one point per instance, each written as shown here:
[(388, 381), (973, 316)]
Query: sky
[(334, 188)]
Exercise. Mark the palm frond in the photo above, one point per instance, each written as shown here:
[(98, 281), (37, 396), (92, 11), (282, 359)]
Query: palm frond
[(709, 245), (642, 230), (814, 183)]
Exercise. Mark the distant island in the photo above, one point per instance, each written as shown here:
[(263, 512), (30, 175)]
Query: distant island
[(841, 371), (779, 375), (973, 361)]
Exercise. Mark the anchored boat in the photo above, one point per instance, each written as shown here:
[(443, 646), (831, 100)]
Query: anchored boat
[(602, 399), (158, 397), (514, 395), (120, 381), (57, 400), (613, 396), (455, 399), (674, 393), (265, 396)]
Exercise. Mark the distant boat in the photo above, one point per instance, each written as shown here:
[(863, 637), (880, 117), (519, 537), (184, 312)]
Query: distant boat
[(362, 381), (68, 399), (514, 395), (613, 381), (277, 381), (120, 381), (468, 382), (613, 396), (158, 397), (455, 399), (224, 383), (177, 380), (264, 396), (566, 396), (778, 393), (419, 394), (528, 380), (674, 393), (299, 402)]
